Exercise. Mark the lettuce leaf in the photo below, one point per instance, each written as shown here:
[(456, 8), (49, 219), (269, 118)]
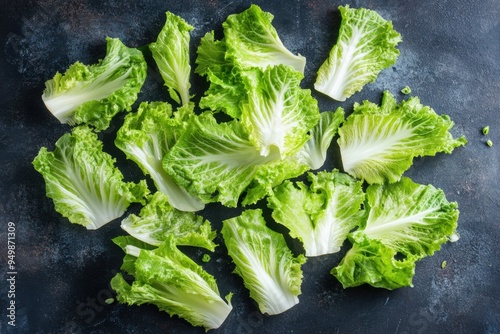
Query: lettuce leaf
[(321, 215), (93, 94), (365, 46), (314, 152), (214, 161), (146, 136), (269, 270), (252, 41), (369, 261), (278, 113), (158, 219), (271, 174), (312, 155), (378, 143), (83, 182), (226, 89), (171, 54), (404, 223), (169, 279)]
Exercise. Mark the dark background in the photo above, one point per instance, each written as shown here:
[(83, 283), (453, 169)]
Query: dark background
[(450, 57)]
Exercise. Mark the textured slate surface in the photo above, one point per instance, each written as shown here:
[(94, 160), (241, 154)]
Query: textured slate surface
[(450, 57)]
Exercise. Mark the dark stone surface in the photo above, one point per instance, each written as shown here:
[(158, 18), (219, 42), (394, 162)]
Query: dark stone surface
[(450, 57)]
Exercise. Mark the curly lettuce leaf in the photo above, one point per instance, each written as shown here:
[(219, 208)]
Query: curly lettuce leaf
[(83, 182), (169, 279), (226, 90), (314, 152), (158, 219), (214, 161), (371, 262), (312, 155), (126, 242), (278, 113), (269, 270), (94, 94), (146, 136), (270, 175), (171, 54), (321, 215), (405, 222), (365, 46), (378, 143), (252, 41)]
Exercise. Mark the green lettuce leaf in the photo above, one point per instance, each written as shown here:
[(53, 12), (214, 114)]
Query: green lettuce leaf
[(93, 94), (378, 143), (226, 89), (314, 152), (312, 155), (211, 55), (278, 113), (146, 136), (214, 161), (171, 54), (405, 222), (158, 219), (365, 46), (83, 182), (270, 175), (269, 270), (169, 279), (371, 262), (321, 215), (250, 44), (128, 242), (252, 41)]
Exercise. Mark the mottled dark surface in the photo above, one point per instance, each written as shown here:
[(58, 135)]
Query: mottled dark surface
[(450, 57)]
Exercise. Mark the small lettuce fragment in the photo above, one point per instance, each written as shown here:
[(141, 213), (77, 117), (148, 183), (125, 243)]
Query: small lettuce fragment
[(169, 279), (83, 182), (365, 46), (252, 41), (404, 223), (158, 219), (270, 271), (378, 143), (94, 94), (147, 135), (171, 54), (321, 215)]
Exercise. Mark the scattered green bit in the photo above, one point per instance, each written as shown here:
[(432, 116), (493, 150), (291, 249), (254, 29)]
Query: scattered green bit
[(109, 301), (406, 90), (489, 143), (486, 130), (443, 264), (206, 258)]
